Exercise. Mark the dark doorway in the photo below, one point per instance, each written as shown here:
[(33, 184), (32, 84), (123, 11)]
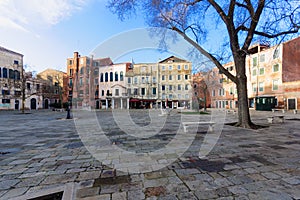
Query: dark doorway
[(46, 105), (291, 104), (17, 104), (33, 104), (97, 105)]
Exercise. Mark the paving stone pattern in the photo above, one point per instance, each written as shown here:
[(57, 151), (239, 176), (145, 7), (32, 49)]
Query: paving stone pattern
[(41, 151)]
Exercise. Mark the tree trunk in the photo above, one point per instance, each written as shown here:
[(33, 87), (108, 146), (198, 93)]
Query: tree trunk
[(243, 108)]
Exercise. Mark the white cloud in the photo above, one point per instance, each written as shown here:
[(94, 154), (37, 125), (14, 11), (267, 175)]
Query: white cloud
[(25, 14)]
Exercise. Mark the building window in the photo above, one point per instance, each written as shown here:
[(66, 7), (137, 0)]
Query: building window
[(81, 70), (135, 80), (80, 92), (101, 77), (37, 87), (163, 67), (16, 62), (275, 85), (5, 92), (28, 86), (170, 87), (170, 67), (70, 82), (17, 75), (186, 77), (96, 72), (163, 96), (262, 58), (213, 93), (186, 67), (170, 77), (261, 86), (261, 71), (254, 72), (11, 74), (178, 77), (18, 93), (4, 72), (186, 96), (116, 92), (163, 87), (170, 96), (0, 73), (107, 93), (154, 79), (276, 53), (221, 92), (254, 87), (111, 77), (102, 92), (106, 77), (276, 68), (143, 79), (96, 81), (179, 87), (129, 80), (179, 96), (254, 60), (187, 87), (154, 91), (143, 91), (5, 100), (81, 81), (121, 76), (70, 62), (163, 77), (116, 76), (178, 67), (135, 91), (128, 91)]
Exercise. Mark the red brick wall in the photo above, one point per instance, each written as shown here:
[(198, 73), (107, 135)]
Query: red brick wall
[(291, 61)]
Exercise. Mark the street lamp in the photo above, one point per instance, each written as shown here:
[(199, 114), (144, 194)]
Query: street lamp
[(231, 93)]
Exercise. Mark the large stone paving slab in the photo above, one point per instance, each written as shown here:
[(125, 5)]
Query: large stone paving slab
[(42, 151)]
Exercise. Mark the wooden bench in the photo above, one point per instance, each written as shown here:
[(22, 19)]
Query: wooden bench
[(278, 109), (274, 119), (187, 124)]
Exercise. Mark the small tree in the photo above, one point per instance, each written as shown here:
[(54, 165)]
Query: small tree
[(241, 20)]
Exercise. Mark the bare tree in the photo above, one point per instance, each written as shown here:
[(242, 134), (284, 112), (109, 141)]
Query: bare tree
[(242, 21)]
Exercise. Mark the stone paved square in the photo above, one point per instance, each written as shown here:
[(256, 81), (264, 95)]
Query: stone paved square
[(42, 152)]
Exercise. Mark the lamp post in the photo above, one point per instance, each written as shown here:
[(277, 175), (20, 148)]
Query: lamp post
[(232, 99)]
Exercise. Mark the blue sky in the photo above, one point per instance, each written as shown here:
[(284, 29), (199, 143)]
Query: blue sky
[(47, 32)]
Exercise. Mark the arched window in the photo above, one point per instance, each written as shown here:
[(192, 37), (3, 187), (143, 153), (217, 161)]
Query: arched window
[(121, 76), (116, 76), (111, 77), (106, 77), (4, 72), (101, 77), (11, 74)]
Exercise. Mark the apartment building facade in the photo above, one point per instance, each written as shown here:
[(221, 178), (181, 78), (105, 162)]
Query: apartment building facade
[(112, 86), (175, 78), (11, 68), (273, 77), (53, 90)]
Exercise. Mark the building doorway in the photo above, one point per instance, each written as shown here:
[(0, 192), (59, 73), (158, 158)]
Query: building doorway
[(17, 103), (97, 104), (46, 104), (33, 104), (291, 104)]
